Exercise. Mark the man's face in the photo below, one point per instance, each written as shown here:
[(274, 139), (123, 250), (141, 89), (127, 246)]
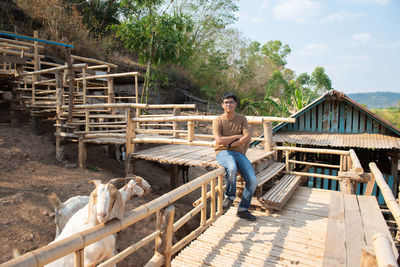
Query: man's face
[(229, 105)]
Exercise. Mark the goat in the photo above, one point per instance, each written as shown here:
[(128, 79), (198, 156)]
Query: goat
[(64, 211), (105, 203)]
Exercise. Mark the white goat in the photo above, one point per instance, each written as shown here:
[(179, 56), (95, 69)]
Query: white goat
[(105, 203), (64, 211)]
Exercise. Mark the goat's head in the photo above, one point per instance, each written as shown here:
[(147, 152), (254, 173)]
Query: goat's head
[(105, 203), (131, 189), (142, 183)]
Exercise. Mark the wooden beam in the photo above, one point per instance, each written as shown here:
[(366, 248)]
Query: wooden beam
[(356, 165), (71, 83)]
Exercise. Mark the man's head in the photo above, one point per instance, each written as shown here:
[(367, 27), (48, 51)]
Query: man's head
[(229, 102)]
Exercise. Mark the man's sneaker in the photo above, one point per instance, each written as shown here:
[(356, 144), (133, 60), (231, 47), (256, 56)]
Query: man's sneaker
[(226, 204), (245, 214)]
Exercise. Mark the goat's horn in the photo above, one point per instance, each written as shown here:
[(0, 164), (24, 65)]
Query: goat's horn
[(95, 182)]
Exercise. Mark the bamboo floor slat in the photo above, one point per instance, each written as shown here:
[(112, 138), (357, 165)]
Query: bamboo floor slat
[(294, 236), (187, 155)]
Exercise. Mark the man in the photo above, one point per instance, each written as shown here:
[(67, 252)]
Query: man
[(232, 138)]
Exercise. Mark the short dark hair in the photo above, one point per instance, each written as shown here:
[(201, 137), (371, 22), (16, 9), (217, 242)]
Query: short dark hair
[(229, 95)]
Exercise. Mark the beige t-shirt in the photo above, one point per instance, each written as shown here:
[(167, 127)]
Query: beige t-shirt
[(225, 127)]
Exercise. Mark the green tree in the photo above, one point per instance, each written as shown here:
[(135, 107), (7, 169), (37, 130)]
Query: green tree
[(276, 52), (156, 37), (320, 81)]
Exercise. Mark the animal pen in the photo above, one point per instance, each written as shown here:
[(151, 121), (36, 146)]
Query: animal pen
[(296, 224)]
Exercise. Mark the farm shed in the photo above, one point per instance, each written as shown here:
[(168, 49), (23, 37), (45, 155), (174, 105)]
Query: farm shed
[(336, 121)]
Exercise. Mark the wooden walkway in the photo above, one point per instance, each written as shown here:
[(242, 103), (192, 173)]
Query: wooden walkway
[(196, 156), (294, 236)]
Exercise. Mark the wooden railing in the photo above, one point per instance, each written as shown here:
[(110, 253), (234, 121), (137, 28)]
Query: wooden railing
[(188, 136), (166, 226), (349, 169)]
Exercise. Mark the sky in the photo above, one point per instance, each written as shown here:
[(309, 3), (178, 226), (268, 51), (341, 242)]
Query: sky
[(356, 41)]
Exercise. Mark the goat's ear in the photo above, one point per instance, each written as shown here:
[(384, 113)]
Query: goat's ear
[(139, 191), (118, 209), (92, 202), (54, 200), (95, 182)]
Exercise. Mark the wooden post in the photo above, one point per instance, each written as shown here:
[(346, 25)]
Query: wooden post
[(341, 163), (213, 199), (176, 124), (163, 243), (174, 176), (59, 99), (82, 154), (36, 57), (383, 250), (130, 133), (355, 163), (203, 218), (220, 192), (84, 85), (87, 121), (267, 136), (287, 154), (111, 94), (79, 258), (71, 84), (346, 187), (190, 125)]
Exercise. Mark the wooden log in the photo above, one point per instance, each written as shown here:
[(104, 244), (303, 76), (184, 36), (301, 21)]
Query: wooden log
[(313, 150), (213, 200), (356, 165), (17, 53), (383, 251), (71, 83), (114, 75), (250, 119), (165, 220), (79, 258), (51, 70), (268, 144), (130, 133), (315, 164), (105, 105), (92, 60), (220, 192), (363, 178), (314, 175), (131, 249), (174, 176), (190, 125), (156, 261), (36, 58), (203, 217), (177, 126), (24, 43), (149, 140), (387, 193), (346, 186), (287, 155), (111, 94), (82, 154)]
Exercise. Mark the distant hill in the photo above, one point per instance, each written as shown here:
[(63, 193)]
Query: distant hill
[(376, 99)]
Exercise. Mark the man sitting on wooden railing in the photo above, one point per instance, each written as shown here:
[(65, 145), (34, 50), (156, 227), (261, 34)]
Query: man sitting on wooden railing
[(232, 138)]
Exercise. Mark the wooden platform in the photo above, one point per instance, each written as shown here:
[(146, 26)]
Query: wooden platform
[(294, 236), (316, 227), (197, 156)]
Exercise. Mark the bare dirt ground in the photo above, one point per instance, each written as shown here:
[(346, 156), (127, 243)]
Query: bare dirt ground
[(29, 172)]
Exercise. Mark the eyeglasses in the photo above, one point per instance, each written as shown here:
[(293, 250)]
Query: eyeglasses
[(228, 102)]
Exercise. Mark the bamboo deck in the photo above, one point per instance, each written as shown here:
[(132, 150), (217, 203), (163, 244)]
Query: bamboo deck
[(294, 236), (315, 228), (196, 156)]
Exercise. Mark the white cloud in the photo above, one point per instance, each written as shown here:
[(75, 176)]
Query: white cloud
[(389, 45), (314, 48), (264, 4), (338, 17), (362, 38), (380, 2), (297, 10), (352, 58), (258, 19)]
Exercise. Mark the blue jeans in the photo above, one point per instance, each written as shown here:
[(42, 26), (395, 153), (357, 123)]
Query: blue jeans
[(233, 161)]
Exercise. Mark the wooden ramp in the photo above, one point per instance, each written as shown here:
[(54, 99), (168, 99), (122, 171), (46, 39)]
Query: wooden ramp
[(294, 236)]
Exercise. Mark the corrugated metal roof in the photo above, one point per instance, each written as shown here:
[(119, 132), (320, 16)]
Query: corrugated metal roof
[(363, 140)]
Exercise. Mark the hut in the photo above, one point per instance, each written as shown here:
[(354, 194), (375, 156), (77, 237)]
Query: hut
[(336, 121)]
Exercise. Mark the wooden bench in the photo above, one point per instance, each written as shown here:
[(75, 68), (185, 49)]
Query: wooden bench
[(270, 170), (279, 194)]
